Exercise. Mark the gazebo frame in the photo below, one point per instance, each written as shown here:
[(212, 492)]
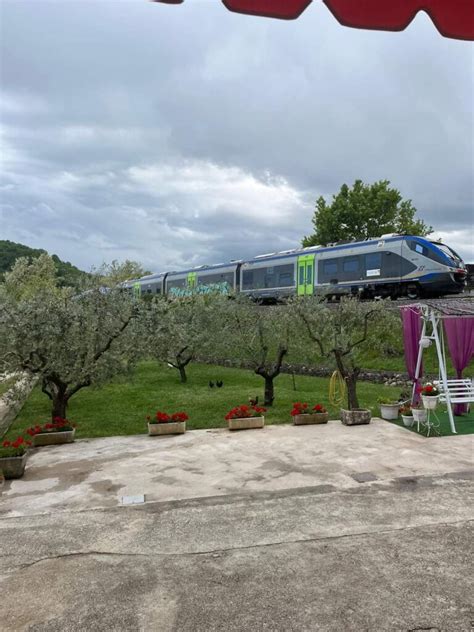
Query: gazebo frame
[(434, 313)]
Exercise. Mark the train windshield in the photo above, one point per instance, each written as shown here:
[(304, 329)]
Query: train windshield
[(449, 252)]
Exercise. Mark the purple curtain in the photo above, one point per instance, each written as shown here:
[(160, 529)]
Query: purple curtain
[(460, 337), (411, 320)]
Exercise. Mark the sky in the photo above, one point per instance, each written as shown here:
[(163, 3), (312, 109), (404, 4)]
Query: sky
[(187, 135)]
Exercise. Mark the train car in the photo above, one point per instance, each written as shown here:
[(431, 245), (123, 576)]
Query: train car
[(270, 277), (389, 266), (392, 265), (222, 278)]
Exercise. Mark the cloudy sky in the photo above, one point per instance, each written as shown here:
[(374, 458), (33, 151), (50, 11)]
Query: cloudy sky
[(177, 135)]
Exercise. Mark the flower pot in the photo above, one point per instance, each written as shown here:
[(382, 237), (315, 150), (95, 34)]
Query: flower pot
[(419, 415), (389, 411), (355, 417), (246, 423), (408, 420), (310, 418), (168, 428), (13, 466), (430, 401), (54, 438)]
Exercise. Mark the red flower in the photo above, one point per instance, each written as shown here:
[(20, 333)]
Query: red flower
[(244, 411), (179, 416), (6, 444), (319, 408)]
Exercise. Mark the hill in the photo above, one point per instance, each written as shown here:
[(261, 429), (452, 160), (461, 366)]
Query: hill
[(67, 273)]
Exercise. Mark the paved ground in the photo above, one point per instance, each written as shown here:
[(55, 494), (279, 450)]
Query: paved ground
[(323, 528)]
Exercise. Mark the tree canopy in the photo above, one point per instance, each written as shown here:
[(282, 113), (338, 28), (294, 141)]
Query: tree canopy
[(68, 341), (343, 333), (364, 211), (67, 275), (118, 271)]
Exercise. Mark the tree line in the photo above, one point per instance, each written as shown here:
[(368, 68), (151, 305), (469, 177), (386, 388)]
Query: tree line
[(70, 340)]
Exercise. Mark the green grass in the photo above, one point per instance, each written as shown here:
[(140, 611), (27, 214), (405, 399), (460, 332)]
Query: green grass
[(119, 408), (464, 424)]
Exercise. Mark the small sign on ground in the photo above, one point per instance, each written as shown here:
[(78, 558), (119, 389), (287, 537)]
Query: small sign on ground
[(133, 500)]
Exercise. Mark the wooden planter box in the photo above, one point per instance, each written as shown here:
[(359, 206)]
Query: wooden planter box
[(355, 417), (389, 411), (13, 466), (310, 418), (246, 423), (53, 438), (169, 428)]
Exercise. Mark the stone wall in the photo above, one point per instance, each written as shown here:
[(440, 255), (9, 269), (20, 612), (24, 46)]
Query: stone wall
[(389, 378)]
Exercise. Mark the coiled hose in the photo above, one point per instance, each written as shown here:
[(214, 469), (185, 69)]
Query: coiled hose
[(337, 389)]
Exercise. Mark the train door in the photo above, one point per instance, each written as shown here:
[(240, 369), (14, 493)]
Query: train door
[(192, 280), (137, 290), (305, 275)]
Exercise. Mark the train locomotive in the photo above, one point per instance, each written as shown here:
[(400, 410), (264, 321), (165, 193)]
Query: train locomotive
[(389, 266)]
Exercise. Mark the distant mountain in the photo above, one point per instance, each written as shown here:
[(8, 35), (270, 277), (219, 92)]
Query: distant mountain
[(68, 274)]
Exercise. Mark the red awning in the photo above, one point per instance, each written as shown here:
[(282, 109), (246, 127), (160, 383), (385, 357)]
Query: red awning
[(452, 18)]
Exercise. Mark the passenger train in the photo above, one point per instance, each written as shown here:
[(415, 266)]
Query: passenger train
[(389, 266)]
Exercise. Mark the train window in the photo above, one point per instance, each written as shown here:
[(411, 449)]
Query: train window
[(373, 261), (419, 249), (350, 265), (247, 279), (330, 267), (301, 279), (286, 279), (309, 274)]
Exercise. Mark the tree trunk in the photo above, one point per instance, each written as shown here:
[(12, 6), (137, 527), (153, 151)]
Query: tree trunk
[(269, 391), (59, 406), (182, 373), (351, 382)]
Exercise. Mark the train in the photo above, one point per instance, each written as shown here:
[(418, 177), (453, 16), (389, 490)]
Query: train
[(388, 266)]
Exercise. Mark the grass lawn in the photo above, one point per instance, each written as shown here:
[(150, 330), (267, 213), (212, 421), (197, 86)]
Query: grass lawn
[(464, 424), (119, 408)]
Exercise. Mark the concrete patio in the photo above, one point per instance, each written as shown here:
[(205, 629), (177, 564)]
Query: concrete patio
[(286, 528)]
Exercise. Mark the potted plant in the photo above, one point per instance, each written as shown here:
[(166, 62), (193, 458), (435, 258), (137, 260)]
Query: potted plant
[(245, 417), (420, 414), (388, 408), (57, 432), (164, 424), (430, 396), (13, 455), (302, 415), (407, 416)]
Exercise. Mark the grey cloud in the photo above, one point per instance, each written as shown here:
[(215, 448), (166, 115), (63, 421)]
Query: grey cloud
[(95, 90)]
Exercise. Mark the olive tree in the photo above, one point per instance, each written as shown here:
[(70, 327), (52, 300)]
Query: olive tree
[(258, 335), (343, 332), (68, 342), (28, 277), (175, 331)]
